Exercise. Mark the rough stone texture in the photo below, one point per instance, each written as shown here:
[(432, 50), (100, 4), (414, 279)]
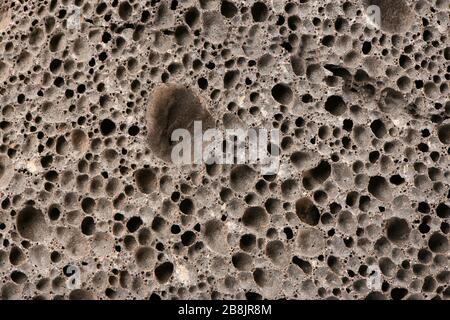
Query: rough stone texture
[(90, 91)]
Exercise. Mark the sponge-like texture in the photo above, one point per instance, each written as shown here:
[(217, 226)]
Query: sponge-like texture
[(92, 207)]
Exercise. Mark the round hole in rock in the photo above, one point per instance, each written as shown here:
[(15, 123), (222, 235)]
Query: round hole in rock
[(145, 257), (260, 277), (215, 234), (255, 218), (163, 272), (397, 230), (88, 226), (79, 140), (173, 107), (282, 93), (247, 242), (259, 12), (242, 261), (228, 9), (387, 266), (230, 79), (107, 127), (242, 178), (125, 10), (145, 180), (444, 133), (438, 243), (307, 212), (134, 223), (81, 294), (276, 252), (31, 224), (192, 16), (443, 211), (88, 205), (187, 206), (380, 188), (188, 238), (251, 296), (16, 256), (54, 212), (18, 277), (335, 105)]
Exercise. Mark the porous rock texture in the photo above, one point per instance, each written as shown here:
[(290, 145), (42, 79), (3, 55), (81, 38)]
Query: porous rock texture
[(91, 90)]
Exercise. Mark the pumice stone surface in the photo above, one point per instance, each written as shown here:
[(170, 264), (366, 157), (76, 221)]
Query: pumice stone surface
[(116, 116)]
